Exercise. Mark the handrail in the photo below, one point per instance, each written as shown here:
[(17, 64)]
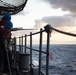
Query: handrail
[(37, 50), (48, 29), (31, 34), (63, 32), (20, 39)]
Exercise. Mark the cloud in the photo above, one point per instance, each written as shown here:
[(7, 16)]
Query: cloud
[(55, 21), (39, 24), (68, 5), (61, 22)]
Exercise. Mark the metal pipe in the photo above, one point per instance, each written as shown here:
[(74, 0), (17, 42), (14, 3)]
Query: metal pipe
[(40, 47), (25, 42), (19, 45), (22, 43), (47, 55), (30, 49)]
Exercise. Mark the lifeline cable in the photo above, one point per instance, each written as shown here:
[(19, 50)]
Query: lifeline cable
[(49, 28), (67, 33)]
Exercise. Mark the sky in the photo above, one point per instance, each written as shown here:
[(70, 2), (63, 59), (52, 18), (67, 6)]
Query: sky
[(59, 14)]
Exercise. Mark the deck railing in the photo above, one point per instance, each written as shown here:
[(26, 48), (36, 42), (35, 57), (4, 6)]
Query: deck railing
[(22, 47)]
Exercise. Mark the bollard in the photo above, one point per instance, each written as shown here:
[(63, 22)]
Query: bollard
[(24, 61)]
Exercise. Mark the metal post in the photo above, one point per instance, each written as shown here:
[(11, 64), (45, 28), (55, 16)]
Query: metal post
[(40, 47), (48, 31), (30, 49), (19, 45), (25, 42), (47, 55), (14, 50), (22, 43)]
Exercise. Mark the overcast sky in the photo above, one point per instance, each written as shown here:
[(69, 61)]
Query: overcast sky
[(58, 13)]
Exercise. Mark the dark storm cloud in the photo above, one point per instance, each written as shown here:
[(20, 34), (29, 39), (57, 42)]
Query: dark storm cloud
[(68, 5)]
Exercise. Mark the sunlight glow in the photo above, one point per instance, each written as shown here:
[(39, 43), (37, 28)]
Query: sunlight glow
[(37, 10)]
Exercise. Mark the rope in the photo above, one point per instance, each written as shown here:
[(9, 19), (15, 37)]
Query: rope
[(67, 33)]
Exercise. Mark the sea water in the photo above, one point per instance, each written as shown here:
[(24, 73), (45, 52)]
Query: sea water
[(63, 59), (63, 62)]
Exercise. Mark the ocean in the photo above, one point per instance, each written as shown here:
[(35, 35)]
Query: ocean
[(63, 62)]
